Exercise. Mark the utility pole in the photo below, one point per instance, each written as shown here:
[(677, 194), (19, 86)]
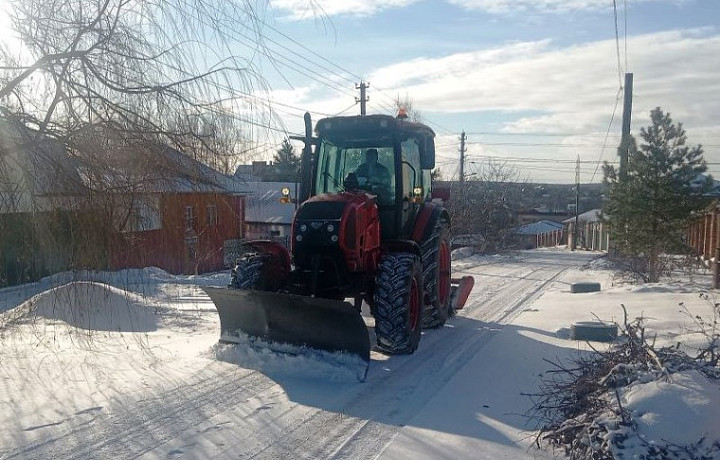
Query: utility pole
[(462, 157), (627, 115), (363, 98), (577, 203)]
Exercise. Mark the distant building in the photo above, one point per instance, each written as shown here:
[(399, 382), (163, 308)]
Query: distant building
[(591, 233), (265, 216), (254, 172), (528, 233), (528, 216)]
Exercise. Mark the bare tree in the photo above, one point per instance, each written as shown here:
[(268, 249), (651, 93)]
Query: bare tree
[(148, 69), (483, 205)]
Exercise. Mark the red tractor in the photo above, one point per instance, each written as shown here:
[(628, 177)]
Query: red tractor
[(367, 228)]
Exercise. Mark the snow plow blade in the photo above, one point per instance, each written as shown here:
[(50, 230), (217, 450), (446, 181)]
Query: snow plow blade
[(321, 324)]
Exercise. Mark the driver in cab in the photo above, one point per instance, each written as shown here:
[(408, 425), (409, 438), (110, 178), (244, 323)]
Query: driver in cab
[(372, 172)]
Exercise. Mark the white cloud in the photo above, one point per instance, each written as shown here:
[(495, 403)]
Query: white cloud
[(540, 87), (568, 90), (551, 6), (304, 9), (573, 88)]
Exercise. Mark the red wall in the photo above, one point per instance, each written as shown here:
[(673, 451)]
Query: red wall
[(175, 247)]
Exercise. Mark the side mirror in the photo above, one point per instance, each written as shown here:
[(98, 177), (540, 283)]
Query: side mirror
[(427, 154)]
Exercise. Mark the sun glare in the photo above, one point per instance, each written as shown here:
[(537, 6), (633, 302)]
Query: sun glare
[(4, 19)]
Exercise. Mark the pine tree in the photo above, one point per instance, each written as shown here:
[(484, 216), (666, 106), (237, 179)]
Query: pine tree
[(648, 211), (286, 166)]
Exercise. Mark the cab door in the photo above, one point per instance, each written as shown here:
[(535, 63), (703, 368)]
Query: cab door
[(411, 178)]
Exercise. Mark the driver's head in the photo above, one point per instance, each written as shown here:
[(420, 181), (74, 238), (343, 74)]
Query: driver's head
[(371, 155)]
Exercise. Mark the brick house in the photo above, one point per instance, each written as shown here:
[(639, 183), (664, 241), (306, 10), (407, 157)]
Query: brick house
[(109, 205), (180, 220)]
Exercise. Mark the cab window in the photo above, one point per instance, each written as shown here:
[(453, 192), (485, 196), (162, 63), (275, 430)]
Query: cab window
[(411, 172), (336, 162)]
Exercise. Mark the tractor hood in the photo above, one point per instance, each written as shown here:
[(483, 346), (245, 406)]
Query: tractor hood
[(343, 227), (330, 206)]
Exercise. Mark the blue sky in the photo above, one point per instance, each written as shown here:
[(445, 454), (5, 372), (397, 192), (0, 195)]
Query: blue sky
[(535, 84), (526, 79)]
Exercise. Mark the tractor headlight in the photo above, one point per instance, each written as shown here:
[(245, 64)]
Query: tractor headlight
[(303, 228), (299, 238), (334, 238), (330, 228)]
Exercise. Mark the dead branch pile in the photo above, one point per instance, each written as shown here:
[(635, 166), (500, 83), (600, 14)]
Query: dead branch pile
[(579, 406)]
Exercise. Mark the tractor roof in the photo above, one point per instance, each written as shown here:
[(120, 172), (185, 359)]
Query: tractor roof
[(360, 125)]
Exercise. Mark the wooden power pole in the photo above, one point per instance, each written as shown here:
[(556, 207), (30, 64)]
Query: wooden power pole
[(577, 204), (363, 98), (627, 115), (462, 157)]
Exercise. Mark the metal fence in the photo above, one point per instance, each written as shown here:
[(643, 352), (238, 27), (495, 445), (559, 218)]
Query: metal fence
[(702, 233), (590, 235)]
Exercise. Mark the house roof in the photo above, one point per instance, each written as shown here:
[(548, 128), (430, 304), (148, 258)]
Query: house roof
[(153, 169), (192, 176), (589, 216), (263, 205), (536, 228), (32, 166)]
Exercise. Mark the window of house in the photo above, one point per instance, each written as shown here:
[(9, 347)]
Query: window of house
[(135, 220), (191, 248), (212, 216), (144, 215), (188, 217)]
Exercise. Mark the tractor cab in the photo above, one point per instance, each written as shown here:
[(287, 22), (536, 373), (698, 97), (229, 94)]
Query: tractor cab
[(389, 158)]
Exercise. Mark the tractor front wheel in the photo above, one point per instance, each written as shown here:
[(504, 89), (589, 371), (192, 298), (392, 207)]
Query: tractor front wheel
[(246, 274), (259, 272), (398, 303)]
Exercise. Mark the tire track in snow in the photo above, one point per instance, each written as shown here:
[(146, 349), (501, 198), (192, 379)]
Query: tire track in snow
[(135, 426), (356, 425), (387, 402)]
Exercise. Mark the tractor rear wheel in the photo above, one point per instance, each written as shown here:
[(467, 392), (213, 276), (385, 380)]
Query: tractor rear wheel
[(398, 303), (436, 275)]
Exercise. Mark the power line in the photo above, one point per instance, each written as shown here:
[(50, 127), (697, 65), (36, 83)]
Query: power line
[(617, 43), (532, 134), (607, 133), (353, 75), (530, 159), (625, 32), (535, 144)]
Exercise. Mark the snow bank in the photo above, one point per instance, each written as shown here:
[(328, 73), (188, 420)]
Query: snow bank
[(86, 305), (137, 276), (673, 411)]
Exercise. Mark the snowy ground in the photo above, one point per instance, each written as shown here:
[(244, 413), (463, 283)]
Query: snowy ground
[(127, 365)]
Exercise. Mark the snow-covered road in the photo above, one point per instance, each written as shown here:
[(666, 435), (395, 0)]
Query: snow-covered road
[(161, 392)]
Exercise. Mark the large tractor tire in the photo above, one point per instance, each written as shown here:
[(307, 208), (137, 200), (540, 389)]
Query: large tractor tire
[(398, 303), (247, 274), (436, 275), (258, 272)]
